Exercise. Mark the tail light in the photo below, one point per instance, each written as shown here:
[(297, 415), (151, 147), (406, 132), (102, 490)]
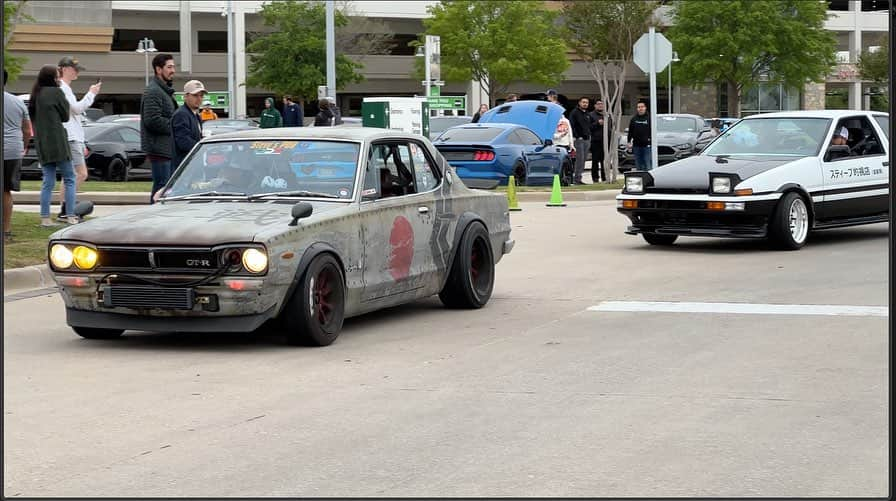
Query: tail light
[(484, 155)]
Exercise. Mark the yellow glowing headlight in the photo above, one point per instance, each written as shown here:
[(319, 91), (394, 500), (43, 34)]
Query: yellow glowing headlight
[(61, 256), (255, 260), (85, 257)]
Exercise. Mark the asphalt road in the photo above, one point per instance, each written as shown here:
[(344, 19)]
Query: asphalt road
[(534, 395)]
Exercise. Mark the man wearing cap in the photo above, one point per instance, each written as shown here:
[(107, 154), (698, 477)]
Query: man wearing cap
[(207, 112), (156, 109), (186, 129), (840, 137), (69, 69)]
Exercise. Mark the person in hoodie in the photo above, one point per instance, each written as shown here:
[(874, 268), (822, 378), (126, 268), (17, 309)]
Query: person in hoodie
[(270, 117), (325, 116), (639, 138)]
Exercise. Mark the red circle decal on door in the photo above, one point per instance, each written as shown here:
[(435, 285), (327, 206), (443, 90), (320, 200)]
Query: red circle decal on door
[(402, 243)]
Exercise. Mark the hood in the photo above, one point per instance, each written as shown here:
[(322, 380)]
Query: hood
[(539, 116), (693, 172), (184, 223)]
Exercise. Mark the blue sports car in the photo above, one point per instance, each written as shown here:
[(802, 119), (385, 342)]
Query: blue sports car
[(495, 151)]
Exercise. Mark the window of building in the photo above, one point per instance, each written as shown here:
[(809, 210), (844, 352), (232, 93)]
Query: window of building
[(838, 5), (212, 41), (875, 5), (164, 40)]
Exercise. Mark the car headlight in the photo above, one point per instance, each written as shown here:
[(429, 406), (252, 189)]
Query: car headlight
[(255, 260), (721, 185), (85, 257), (634, 184), (61, 256)]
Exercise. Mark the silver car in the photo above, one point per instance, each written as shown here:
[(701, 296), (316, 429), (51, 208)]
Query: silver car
[(304, 225)]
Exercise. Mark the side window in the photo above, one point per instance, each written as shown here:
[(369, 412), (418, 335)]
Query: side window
[(425, 175), (884, 122), (389, 166), (528, 137), (863, 139), (516, 138), (130, 135)]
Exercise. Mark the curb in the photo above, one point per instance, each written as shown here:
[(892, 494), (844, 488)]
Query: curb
[(27, 278)]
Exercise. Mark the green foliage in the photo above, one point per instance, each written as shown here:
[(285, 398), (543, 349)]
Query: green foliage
[(12, 14), (875, 66), (586, 26), (741, 41), (498, 42), (293, 58)]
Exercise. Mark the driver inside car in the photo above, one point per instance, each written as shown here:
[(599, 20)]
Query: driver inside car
[(230, 177), (840, 137)]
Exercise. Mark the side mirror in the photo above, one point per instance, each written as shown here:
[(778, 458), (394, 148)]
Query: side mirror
[(837, 151), (299, 211), (548, 142), (83, 208)]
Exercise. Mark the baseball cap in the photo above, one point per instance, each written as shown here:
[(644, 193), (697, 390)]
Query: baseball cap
[(194, 87), (843, 132), (551, 92), (71, 63)]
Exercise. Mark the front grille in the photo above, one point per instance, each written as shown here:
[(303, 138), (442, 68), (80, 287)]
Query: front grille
[(677, 191), (158, 260), (186, 260), (701, 219), (148, 296)]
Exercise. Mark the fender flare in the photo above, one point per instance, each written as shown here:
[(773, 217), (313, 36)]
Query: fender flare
[(463, 222), (313, 250), (797, 188)]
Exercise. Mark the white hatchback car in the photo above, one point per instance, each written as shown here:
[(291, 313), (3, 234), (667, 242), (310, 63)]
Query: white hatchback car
[(774, 175)]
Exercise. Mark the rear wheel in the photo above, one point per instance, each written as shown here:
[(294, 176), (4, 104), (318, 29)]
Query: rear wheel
[(519, 172), (472, 276), (94, 333), (316, 310), (790, 223)]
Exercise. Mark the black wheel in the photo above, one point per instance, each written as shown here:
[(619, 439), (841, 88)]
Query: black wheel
[(519, 172), (316, 310), (115, 171), (657, 239), (566, 174), (789, 225), (472, 276), (94, 333)]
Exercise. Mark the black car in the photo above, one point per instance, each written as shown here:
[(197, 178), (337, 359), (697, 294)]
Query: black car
[(113, 154), (679, 136)]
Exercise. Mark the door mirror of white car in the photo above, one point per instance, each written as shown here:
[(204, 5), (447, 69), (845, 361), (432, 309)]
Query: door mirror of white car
[(548, 142), (836, 152)]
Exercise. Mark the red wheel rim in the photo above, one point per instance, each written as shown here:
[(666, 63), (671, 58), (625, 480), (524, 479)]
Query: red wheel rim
[(321, 294)]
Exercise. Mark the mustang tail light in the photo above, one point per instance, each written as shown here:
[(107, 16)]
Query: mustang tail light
[(484, 155)]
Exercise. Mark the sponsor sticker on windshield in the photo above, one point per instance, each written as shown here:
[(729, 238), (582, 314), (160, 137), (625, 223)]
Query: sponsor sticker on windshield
[(272, 147)]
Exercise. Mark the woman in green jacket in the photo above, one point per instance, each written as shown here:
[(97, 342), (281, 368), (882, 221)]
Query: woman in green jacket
[(48, 108), (270, 117)]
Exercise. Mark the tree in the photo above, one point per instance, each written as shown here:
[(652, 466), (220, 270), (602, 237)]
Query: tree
[(602, 35), (292, 59), (875, 68), (497, 42), (13, 12), (742, 42), (362, 35)]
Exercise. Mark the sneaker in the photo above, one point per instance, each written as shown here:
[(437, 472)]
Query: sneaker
[(47, 223), (72, 219)]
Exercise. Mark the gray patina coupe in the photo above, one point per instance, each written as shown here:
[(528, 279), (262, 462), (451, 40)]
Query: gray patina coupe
[(302, 227)]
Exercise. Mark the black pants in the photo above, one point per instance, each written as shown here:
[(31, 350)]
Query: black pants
[(598, 170)]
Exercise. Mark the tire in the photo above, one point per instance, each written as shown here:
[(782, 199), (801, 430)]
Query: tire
[(316, 310), (790, 223), (472, 276), (95, 333), (115, 170), (566, 174), (519, 172), (657, 239)]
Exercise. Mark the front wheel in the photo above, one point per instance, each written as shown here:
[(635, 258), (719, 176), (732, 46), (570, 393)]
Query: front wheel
[(657, 239), (472, 275), (790, 223), (115, 171), (519, 172), (95, 333), (316, 309)]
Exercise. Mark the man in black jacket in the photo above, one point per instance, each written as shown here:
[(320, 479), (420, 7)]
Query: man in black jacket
[(186, 129), (156, 109), (601, 123), (581, 132), (639, 138)]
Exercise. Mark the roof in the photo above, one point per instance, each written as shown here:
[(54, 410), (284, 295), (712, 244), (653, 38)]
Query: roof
[(337, 133), (813, 114)]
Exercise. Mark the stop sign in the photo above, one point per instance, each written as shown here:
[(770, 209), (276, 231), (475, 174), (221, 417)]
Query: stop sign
[(661, 45)]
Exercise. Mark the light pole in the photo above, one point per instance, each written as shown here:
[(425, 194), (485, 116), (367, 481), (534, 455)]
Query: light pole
[(674, 60), (144, 47)]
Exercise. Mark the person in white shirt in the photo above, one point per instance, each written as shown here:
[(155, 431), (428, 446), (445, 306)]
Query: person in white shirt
[(68, 70)]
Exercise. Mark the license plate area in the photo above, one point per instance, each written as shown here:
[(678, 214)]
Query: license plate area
[(148, 296)]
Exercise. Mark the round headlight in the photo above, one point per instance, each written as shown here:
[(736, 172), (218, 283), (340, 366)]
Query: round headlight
[(85, 257), (255, 260), (61, 256)]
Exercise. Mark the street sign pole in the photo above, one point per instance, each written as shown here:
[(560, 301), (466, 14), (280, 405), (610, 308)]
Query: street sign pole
[(654, 161)]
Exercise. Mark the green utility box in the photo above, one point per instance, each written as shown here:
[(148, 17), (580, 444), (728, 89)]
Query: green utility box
[(407, 114)]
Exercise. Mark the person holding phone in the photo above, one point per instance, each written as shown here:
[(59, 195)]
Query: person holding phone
[(69, 69)]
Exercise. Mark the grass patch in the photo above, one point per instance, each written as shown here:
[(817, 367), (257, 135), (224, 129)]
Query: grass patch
[(130, 186), (29, 241), (578, 187)]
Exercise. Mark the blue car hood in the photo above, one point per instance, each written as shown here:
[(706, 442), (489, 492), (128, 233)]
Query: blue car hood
[(539, 116)]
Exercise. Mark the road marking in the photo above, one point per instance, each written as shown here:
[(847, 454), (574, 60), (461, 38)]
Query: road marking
[(30, 294), (743, 308)]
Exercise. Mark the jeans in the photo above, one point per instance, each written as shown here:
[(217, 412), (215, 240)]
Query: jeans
[(49, 182), (161, 171), (581, 155), (642, 157)]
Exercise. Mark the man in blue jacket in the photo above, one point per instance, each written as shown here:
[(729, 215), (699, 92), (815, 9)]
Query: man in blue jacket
[(293, 116), (186, 129)]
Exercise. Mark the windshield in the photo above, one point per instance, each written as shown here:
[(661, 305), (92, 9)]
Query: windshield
[(470, 134), (796, 137), (323, 169), (676, 124)]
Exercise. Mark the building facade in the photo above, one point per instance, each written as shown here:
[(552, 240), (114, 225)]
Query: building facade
[(104, 35)]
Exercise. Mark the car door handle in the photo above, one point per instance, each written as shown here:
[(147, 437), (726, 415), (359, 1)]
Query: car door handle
[(886, 164), (423, 210)]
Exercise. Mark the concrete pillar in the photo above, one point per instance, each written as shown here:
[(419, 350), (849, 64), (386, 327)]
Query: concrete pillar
[(855, 49), (813, 96), (475, 97), (239, 32), (186, 38)]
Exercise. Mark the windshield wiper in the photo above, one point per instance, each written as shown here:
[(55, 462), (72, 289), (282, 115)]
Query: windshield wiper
[(294, 193), (207, 194)]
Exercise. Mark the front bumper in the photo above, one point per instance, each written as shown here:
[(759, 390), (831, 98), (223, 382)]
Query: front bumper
[(106, 320), (688, 215)]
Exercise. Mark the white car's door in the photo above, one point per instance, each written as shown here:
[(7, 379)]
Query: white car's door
[(856, 185)]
